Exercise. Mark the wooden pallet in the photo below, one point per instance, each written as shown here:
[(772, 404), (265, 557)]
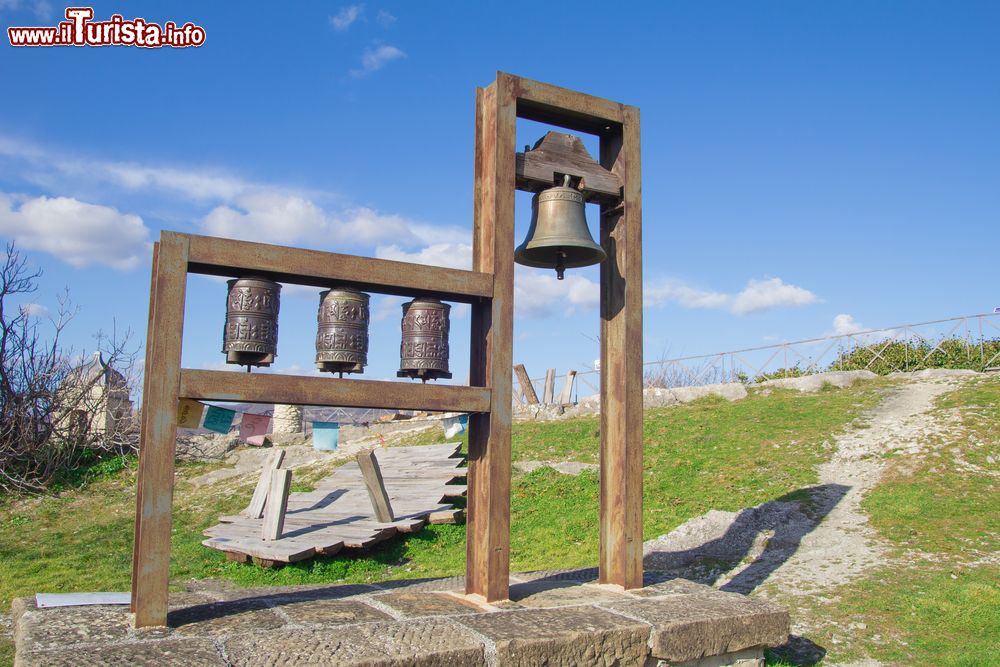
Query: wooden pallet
[(338, 513)]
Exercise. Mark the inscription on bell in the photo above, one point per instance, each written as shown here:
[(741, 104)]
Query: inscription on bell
[(250, 335), (342, 332), (423, 351)]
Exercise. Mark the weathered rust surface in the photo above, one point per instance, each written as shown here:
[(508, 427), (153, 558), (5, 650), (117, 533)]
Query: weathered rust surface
[(342, 332), (488, 533), (143, 428), (334, 392), (567, 108), (423, 351), (621, 363), (250, 335), (558, 153), (151, 563), (228, 257)]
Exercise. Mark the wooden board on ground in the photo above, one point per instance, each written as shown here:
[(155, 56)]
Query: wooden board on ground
[(338, 513)]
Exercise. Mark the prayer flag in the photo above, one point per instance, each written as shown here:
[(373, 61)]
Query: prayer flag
[(189, 413), (219, 420), (325, 435), (251, 425), (455, 425)]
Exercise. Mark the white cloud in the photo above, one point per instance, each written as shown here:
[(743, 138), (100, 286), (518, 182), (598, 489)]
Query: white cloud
[(450, 255), (34, 310), (267, 216), (689, 297), (385, 19), (195, 184), (374, 59), (771, 293), (346, 17), (758, 295), (279, 217), (78, 233), (538, 293), (387, 306), (40, 8), (844, 324)]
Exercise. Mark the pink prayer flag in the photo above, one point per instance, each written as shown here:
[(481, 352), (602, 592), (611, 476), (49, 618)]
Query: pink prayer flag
[(251, 425)]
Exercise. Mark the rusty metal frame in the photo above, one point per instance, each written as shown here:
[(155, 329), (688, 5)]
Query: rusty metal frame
[(175, 256), (488, 288)]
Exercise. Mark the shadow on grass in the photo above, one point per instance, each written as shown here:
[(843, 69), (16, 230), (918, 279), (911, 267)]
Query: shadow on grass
[(762, 537)]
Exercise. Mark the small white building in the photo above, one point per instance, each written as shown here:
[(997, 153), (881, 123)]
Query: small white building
[(93, 399)]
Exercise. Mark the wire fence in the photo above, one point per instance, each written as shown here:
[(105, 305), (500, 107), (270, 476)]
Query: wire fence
[(970, 341)]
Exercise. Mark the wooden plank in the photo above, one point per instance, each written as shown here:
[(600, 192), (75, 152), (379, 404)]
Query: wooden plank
[(309, 390), (524, 382), (558, 153), (255, 509), (571, 109), (566, 396), (151, 562), (487, 568), (620, 560), (143, 426), (277, 504), (228, 257), (376, 487), (548, 393)]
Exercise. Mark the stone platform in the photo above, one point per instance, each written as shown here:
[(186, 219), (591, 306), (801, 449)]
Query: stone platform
[(553, 618)]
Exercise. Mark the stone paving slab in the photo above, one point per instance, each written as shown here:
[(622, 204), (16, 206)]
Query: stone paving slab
[(688, 627), (411, 603), (420, 643), (194, 652), (563, 637), (331, 612), (553, 618), (55, 627), (556, 593), (224, 618)]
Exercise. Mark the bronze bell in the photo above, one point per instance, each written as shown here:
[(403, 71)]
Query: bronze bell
[(342, 337), (250, 337), (559, 238), (423, 352)]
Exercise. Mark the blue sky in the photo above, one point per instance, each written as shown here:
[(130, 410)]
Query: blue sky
[(807, 167)]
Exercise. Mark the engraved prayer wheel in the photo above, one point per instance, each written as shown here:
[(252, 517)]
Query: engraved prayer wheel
[(342, 337), (423, 352), (250, 337)]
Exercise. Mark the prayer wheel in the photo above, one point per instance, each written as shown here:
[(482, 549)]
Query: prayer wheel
[(250, 337), (342, 337), (423, 352)]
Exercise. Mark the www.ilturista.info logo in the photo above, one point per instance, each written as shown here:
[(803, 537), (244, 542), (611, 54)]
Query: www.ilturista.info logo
[(80, 30)]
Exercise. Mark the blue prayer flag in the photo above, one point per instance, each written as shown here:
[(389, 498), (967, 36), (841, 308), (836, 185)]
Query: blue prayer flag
[(219, 420), (325, 435)]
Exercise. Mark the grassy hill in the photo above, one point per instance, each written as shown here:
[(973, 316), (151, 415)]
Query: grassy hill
[(710, 454)]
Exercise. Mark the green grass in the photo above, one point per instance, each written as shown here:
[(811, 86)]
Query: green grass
[(936, 506), (711, 454), (936, 605)]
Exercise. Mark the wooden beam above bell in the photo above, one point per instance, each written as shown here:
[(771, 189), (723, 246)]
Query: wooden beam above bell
[(558, 153)]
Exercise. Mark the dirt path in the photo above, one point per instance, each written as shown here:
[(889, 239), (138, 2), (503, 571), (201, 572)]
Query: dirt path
[(791, 549)]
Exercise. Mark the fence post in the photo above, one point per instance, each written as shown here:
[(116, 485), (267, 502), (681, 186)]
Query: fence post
[(548, 393), (567, 391), (525, 382)]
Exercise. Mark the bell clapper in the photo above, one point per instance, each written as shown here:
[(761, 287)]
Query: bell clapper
[(560, 263)]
